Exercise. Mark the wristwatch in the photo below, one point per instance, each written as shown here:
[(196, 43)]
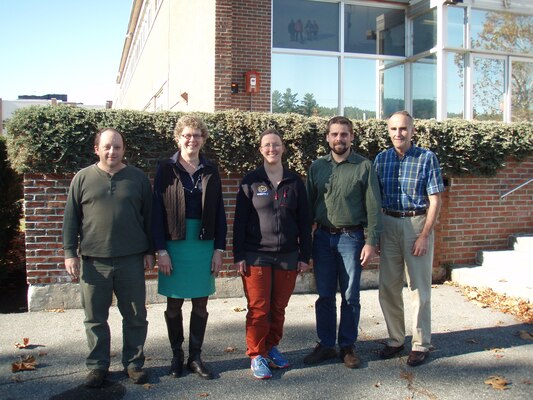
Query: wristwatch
[(162, 253)]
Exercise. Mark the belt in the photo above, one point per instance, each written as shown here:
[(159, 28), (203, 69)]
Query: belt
[(345, 229), (404, 214)]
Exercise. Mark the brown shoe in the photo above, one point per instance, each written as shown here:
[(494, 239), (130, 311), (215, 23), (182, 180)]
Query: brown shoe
[(417, 357), (320, 354), (390, 351), (95, 378), (137, 375), (349, 357)]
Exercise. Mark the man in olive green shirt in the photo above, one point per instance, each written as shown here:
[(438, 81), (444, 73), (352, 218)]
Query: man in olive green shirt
[(345, 198), (108, 213)]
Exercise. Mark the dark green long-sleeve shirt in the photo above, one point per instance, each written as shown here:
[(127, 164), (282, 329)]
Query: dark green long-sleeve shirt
[(345, 194), (108, 215)]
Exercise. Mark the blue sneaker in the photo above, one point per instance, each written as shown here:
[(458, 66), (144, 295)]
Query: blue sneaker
[(260, 368), (276, 359)]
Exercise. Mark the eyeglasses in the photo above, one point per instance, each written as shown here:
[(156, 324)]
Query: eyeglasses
[(271, 145), (189, 136)]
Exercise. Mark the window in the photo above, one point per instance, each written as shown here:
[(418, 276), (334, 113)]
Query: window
[(360, 94), (391, 84), (373, 30), (503, 32), (425, 32), (455, 66), (305, 84), (456, 27), (302, 24), (488, 88), (424, 78), (522, 91)]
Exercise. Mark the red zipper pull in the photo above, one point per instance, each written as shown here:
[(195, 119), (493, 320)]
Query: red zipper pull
[(275, 195)]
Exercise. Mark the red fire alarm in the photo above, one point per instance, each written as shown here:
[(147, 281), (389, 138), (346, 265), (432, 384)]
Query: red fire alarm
[(251, 81)]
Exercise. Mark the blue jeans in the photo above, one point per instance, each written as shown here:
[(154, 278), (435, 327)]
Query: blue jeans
[(336, 261)]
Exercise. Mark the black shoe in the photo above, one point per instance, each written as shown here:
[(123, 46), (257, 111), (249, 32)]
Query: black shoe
[(137, 375), (417, 357), (176, 367), (319, 354), (349, 357), (95, 378), (198, 367), (390, 351)]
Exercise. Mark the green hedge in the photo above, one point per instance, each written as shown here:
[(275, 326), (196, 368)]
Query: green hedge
[(60, 139)]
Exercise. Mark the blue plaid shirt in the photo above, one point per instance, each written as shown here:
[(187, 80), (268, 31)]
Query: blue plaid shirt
[(406, 183)]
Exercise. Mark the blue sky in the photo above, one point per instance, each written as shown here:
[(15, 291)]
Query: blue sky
[(68, 47)]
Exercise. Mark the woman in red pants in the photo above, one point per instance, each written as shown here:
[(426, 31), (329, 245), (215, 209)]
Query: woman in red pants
[(271, 245)]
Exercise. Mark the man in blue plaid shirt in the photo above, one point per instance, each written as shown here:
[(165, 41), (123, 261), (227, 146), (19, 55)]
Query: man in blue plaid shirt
[(411, 186)]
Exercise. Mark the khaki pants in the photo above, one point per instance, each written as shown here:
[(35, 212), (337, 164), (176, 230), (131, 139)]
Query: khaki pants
[(397, 261)]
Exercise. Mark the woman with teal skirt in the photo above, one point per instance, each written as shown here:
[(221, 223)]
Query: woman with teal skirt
[(189, 232)]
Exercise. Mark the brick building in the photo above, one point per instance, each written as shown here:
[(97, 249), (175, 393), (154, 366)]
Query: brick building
[(470, 59)]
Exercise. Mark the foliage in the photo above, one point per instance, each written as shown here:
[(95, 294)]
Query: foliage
[(10, 208), (60, 139)]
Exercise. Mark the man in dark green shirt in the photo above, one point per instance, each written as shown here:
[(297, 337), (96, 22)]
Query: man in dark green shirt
[(345, 199), (108, 213)]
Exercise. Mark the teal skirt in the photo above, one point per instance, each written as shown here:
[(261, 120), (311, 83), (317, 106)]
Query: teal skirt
[(191, 275)]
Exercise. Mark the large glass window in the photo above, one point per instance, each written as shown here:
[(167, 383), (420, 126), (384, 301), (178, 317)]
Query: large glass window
[(425, 32), (391, 85), (360, 94), (302, 24), (499, 31), (455, 67), (456, 27), (424, 78), (373, 30), (522, 91), (488, 88), (305, 84)]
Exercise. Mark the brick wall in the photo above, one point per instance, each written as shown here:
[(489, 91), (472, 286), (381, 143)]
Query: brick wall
[(472, 218), (242, 43)]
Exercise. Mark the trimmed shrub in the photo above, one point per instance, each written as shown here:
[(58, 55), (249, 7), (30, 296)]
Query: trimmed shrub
[(60, 139)]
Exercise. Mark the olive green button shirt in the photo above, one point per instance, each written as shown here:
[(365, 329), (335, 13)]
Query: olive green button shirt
[(345, 194)]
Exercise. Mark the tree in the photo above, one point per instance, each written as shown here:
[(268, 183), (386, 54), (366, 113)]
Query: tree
[(276, 101), (289, 102), (309, 105)]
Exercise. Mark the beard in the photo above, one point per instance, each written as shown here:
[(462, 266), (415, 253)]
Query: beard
[(339, 150)]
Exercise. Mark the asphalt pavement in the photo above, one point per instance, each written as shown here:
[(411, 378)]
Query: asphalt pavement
[(471, 345)]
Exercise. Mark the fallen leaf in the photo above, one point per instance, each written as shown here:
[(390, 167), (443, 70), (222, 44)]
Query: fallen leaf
[(147, 385), (525, 335), (408, 376), (495, 350), (238, 309), (27, 363), (498, 382), (377, 384), (204, 394), (434, 286), (527, 382), (25, 343), (230, 349), (56, 310)]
